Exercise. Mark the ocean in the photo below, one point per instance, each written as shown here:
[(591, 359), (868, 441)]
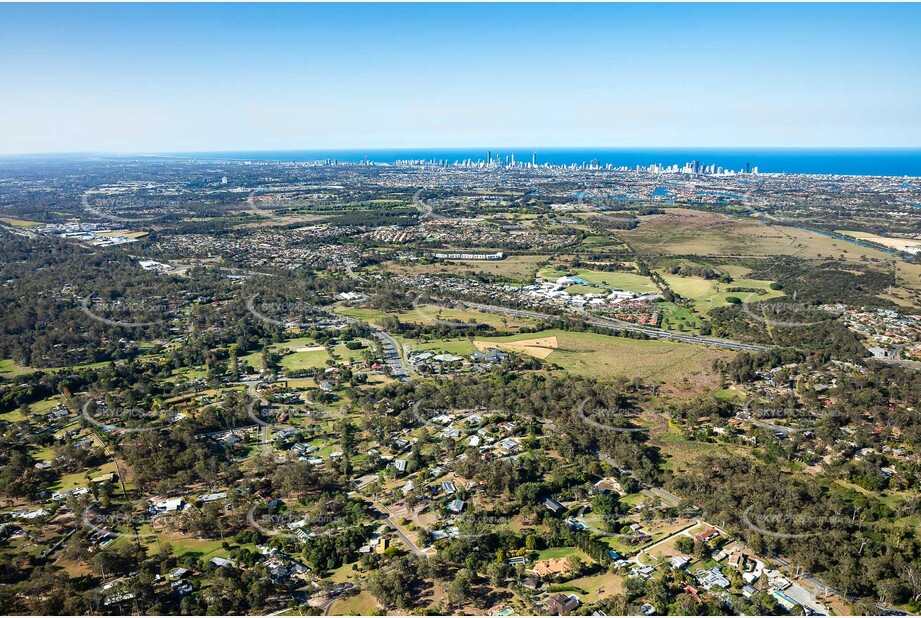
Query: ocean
[(852, 162)]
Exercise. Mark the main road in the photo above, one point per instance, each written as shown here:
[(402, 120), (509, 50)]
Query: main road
[(426, 209), (608, 323), (390, 350)]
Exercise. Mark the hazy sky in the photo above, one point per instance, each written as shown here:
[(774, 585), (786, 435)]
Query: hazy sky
[(146, 78)]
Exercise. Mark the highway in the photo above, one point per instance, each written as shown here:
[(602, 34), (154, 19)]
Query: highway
[(627, 326), (426, 209)]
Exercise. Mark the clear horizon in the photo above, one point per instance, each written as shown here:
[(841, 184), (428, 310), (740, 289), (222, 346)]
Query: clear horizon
[(495, 149), (168, 79), (456, 149)]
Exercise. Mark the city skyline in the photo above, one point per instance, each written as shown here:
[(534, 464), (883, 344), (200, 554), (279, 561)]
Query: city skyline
[(158, 78)]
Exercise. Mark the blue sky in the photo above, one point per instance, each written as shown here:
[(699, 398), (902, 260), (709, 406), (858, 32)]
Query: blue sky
[(166, 78)]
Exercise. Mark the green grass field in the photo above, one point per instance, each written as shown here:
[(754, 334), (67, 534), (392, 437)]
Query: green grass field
[(690, 287), (735, 271), (585, 289), (429, 314), (563, 552), (182, 544), (190, 373), (458, 347), (78, 479), (516, 267), (304, 360), (709, 294), (13, 416), (908, 285), (682, 455), (595, 242), (677, 318), (294, 344), (341, 352), (361, 604), (729, 394), (21, 224), (45, 405), (305, 353), (683, 366), (10, 369), (682, 231)]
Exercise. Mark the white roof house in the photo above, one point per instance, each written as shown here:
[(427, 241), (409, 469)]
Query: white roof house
[(166, 506)]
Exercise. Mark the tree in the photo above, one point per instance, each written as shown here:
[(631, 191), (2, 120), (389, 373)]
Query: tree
[(607, 507), (684, 544), (459, 589)]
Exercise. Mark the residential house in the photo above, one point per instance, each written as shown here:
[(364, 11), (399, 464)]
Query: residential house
[(284, 434), (213, 497), (181, 588), (713, 577), (229, 439), (552, 566), (532, 583), (553, 506), (642, 571), (178, 573), (168, 506), (738, 560), (607, 486), (694, 592), (561, 605), (679, 562), (707, 535), (783, 600)]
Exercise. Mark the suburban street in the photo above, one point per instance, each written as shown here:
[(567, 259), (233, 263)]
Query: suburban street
[(390, 522), (264, 427)]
